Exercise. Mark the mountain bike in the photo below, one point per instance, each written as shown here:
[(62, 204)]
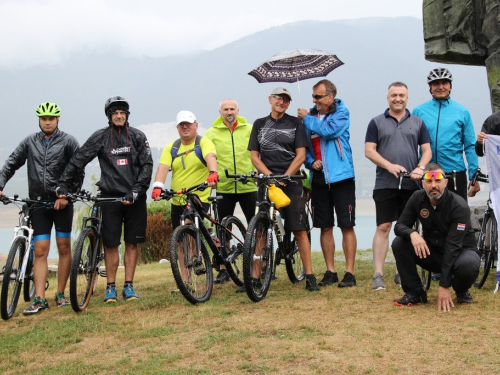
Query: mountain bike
[(18, 269), (487, 244), (258, 251), (88, 254), (189, 257)]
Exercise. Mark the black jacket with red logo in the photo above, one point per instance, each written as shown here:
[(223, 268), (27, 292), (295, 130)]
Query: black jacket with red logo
[(446, 228), (124, 157)]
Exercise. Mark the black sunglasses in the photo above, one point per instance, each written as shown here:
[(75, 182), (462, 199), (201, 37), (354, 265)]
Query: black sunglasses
[(317, 97)]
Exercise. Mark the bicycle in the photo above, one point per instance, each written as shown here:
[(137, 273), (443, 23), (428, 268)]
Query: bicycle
[(189, 257), (88, 254), (258, 249), (18, 269), (487, 244)]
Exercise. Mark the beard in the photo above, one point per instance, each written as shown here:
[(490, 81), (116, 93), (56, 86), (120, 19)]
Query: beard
[(434, 195)]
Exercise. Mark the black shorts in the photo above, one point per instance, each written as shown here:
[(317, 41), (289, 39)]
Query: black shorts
[(42, 221), (133, 218), (390, 203), (227, 204), (295, 213), (339, 196), (176, 212), (462, 184)]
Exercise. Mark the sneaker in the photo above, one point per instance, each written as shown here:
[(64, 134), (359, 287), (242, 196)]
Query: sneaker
[(222, 277), (110, 295), (411, 299), (129, 293), (61, 300), (329, 278), (464, 298), (378, 282), (436, 276), (311, 284), (397, 280), (37, 305), (348, 280)]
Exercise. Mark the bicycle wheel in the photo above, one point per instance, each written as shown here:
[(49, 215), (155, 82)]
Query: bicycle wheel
[(29, 279), (488, 245), (192, 269), (11, 285), (83, 272), (293, 261), (233, 239), (258, 257)]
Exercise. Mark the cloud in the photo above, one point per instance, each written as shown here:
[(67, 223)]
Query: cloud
[(46, 32)]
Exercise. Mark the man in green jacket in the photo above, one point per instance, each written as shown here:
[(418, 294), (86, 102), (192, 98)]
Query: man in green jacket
[(230, 134)]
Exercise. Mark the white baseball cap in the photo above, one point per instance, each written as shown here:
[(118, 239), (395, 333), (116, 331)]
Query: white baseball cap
[(185, 116)]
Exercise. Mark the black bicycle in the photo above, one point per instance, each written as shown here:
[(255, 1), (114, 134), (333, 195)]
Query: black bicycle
[(88, 254), (189, 257), (487, 244), (258, 251), (18, 269)]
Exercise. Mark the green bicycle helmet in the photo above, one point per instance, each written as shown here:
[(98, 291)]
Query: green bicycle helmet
[(48, 109)]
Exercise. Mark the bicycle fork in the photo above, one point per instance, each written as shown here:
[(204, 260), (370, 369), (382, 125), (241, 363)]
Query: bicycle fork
[(27, 247)]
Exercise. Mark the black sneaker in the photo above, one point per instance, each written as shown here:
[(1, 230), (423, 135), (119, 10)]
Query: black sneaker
[(411, 299), (329, 278), (348, 280), (464, 298), (311, 284), (222, 277)]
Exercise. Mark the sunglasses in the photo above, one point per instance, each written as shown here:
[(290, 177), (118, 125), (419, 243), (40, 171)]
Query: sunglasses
[(435, 175), (317, 97), (183, 124), (285, 99)]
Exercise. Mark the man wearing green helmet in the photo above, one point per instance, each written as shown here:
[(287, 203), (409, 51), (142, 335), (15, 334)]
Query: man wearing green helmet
[(47, 154)]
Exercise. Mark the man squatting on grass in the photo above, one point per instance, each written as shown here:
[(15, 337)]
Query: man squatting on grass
[(447, 245)]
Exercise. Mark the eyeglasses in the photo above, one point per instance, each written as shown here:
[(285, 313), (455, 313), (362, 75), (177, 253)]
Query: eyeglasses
[(435, 175), (182, 124), (317, 97), (282, 98)]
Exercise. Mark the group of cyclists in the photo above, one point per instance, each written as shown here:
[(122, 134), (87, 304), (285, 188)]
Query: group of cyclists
[(278, 143)]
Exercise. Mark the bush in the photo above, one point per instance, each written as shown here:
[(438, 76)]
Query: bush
[(158, 233)]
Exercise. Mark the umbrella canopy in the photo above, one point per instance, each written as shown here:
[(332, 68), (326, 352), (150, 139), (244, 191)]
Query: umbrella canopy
[(296, 65)]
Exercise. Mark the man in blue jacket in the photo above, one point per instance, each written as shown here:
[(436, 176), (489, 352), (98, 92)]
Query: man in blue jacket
[(451, 131), (329, 158)]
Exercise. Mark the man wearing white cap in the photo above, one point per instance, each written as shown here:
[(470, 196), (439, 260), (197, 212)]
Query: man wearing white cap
[(278, 146), (192, 159)]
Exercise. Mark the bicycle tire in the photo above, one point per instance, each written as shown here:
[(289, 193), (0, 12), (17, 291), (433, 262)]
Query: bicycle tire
[(233, 238), (258, 234), (293, 261), (487, 248), (11, 286), (83, 271), (198, 282), (29, 279)]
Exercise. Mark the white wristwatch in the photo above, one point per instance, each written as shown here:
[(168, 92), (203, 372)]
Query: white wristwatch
[(422, 167)]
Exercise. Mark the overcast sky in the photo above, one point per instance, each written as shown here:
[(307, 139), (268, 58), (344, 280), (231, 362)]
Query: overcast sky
[(45, 31)]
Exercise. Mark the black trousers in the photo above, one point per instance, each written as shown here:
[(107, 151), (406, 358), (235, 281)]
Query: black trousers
[(465, 269)]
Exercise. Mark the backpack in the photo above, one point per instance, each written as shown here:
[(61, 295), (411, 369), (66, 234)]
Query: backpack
[(197, 149)]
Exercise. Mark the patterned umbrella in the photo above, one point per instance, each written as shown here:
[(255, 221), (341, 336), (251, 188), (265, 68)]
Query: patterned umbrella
[(296, 65)]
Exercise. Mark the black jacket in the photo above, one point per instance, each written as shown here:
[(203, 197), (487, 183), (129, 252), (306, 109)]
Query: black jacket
[(490, 126), (124, 157), (45, 164), (447, 228)]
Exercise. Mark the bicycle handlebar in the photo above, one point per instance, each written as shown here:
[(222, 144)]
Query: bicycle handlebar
[(271, 177), (6, 200), (453, 174), (168, 194), (83, 196), (479, 176)]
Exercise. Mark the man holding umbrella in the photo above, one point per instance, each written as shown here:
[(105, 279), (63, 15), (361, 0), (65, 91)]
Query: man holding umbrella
[(278, 145), (330, 160)]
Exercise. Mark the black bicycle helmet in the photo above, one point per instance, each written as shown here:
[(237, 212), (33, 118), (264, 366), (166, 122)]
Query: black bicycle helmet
[(439, 73), (116, 103)]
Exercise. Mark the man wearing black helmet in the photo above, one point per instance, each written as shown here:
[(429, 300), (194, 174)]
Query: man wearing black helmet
[(47, 153), (451, 131), (126, 167)]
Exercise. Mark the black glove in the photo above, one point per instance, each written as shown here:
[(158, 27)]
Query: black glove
[(131, 196), (62, 190)]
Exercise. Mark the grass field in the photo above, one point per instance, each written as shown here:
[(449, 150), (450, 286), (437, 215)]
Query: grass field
[(292, 331)]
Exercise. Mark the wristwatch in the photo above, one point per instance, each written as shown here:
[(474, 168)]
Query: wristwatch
[(422, 167)]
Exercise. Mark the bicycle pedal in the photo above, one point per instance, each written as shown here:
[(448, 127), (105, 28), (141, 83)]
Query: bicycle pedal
[(101, 273)]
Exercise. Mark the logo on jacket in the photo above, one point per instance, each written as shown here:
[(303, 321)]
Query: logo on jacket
[(460, 226), (498, 150), (424, 212), (122, 150), (122, 162)]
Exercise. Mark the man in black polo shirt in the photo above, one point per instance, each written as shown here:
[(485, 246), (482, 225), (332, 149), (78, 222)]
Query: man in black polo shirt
[(278, 146), (447, 245)]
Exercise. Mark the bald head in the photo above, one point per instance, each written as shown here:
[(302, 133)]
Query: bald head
[(229, 110)]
